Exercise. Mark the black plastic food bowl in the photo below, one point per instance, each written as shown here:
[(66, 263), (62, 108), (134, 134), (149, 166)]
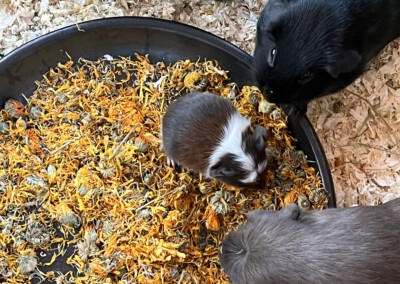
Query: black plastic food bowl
[(164, 41)]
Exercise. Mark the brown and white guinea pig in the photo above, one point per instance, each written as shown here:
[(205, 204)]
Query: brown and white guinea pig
[(346, 245), (306, 49), (205, 133)]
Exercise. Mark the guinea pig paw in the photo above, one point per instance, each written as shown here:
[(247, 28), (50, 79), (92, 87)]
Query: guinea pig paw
[(171, 163)]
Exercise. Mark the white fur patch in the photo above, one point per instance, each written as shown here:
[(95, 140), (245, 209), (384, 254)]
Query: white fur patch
[(262, 166), (250, 178), (231, 143)]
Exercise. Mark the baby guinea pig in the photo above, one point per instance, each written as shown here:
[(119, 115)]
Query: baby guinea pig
[(346, 245), (306, 49), (205, 133)]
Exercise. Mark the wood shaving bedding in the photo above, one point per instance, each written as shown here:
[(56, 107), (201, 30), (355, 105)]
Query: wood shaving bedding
[(362, 150)]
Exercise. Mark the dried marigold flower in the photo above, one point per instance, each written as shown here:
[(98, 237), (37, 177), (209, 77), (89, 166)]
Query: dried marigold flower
[(212, 220), (303, 202), (15, 108), (33, 141), (144, 214), (4, 268), (27, 263), (4, 127), (276, 114), (35, 112), (220, 201), (36, 234), (195, 81), (317, 195), (265, 107), (141, 146), (87, 246)]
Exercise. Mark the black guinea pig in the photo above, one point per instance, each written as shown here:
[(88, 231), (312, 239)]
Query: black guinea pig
[(306, 49), (344, 245), (205, 133)]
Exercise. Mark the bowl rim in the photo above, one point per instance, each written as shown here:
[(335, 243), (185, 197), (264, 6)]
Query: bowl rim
[(124, 22)]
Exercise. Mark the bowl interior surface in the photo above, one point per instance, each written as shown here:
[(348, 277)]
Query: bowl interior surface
[(163, 41)]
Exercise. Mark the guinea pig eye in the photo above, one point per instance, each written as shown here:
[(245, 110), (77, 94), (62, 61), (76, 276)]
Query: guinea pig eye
[(271, 57), (306, 77)]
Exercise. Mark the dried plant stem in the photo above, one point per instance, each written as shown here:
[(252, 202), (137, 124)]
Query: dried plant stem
[(380, 149), (372, 108), (181, 278), (79, 28), (361, 129), (62, 147), (157, 198), (27, 100), (29, 204), (123, 141), (124, 4)]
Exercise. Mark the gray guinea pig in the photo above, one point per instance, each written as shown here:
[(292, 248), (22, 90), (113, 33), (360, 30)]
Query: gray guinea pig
[(310, 48), (346, 245), (205, 133)]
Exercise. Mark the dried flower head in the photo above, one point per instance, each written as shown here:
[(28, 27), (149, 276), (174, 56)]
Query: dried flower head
[(15, 108), (4, 272), (37, 234), (220, 201), (87, 246), (317, 195), (4, 127), (27, 263), (141, 146), (195, 81), (35, 112), (265, 107), (303, 202)]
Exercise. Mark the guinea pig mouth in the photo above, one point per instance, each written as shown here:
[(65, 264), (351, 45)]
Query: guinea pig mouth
[(256, 184), (251, 178), (237, 183)]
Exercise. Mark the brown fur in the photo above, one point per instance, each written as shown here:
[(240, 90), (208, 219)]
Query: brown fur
[(344, 245), (193, 127)]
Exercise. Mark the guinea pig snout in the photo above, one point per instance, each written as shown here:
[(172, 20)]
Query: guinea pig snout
[(262, 84), (255, 176), (266, 91), (254, 181)]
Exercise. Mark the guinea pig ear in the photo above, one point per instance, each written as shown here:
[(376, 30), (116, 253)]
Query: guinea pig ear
[(348, 61), (290, 212)]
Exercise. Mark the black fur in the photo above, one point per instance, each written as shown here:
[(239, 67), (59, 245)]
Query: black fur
[(229, 171), (346, 245), (332, 39), (253, 142)]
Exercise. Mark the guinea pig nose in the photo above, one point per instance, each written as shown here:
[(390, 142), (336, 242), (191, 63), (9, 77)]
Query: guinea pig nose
[(266, 91)]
